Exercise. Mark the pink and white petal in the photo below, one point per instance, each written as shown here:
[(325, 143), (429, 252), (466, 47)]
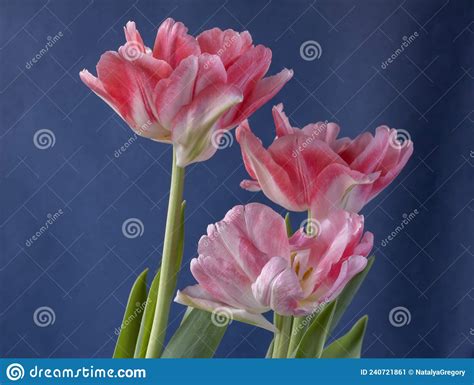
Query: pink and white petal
[(389, 175), (195, 124), (262, 287), (175, 92), (273, 179), (250, 185), (245, 126), (262, 92), (247, 236), (173, 44), (228, 44), (196, 297), (225, 281), (127, 89), (349, 268), (211, 71), (337, 186), (369, 158), (282, 124), (365, 245)]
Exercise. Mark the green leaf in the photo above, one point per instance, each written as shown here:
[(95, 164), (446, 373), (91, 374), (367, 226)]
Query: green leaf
[(312, 343), (349, 345), (270, 349), (346, 296), (147, 320), (197, 337), (130, 327)]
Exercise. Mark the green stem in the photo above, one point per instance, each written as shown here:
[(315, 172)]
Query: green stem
[(297, 332), (282, 336), (169, 268)]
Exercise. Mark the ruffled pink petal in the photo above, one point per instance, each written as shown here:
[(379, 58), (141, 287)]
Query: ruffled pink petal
[(349, 268), (365, 245), (134, 47), (195, 296), (128, 87), (211, 72), (225, 281), (250, 185), (175, 92), (263, 91), (278, 286), (173, 44), (195, 124), (393, 163), (367, 151), (282, 123), (229, 45), (337, 186), (273, 178), (248, 236)]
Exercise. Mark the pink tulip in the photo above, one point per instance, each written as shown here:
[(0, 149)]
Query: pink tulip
[(186, 90), (310, 168), (248, 266)]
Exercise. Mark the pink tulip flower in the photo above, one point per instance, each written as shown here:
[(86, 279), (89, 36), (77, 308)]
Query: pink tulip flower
[(247, 265), (310, 168), (186, 91)]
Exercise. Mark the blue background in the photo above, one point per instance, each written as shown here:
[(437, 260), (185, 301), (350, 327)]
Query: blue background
[(83, 266)]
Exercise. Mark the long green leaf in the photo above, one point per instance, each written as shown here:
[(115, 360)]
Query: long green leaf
[(312, 343), (197, 337), (349, 345), (147, 320), (270, 349), (130, 327), (347, 295)]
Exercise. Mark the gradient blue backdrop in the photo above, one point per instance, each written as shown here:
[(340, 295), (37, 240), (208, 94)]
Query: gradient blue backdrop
[(83, 266)]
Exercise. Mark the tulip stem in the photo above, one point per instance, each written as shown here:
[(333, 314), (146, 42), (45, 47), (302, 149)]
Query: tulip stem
[(282, 336), (169, 269)]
